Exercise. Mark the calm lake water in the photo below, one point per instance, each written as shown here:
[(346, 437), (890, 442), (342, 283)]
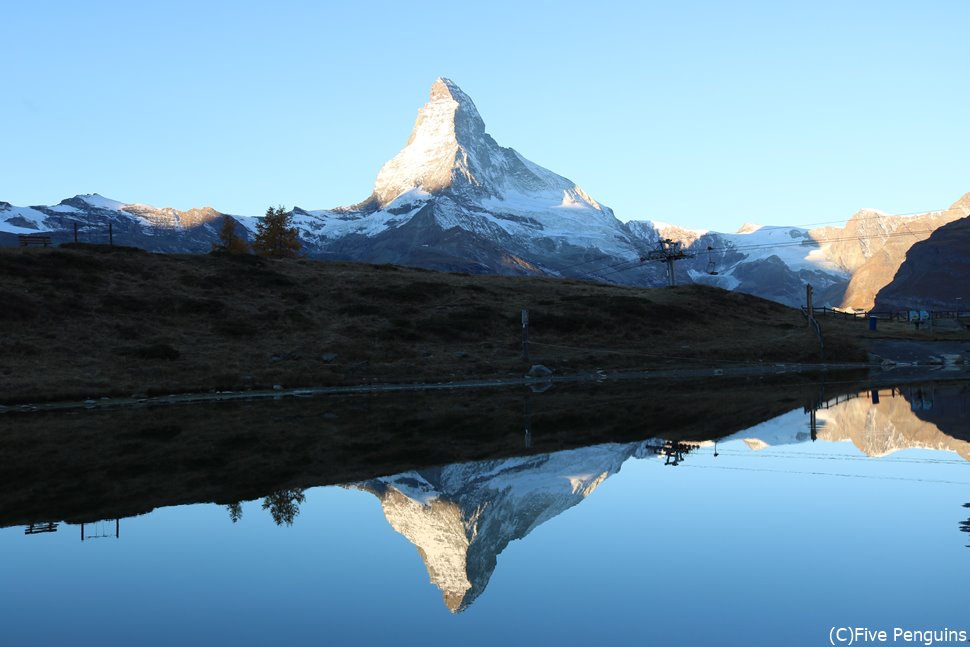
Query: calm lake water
[(769, 537)]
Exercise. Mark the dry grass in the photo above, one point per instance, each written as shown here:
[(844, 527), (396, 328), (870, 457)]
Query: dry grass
[(88, 322)]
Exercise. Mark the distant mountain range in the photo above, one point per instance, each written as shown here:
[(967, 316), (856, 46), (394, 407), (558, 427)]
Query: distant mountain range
[(453, 199)]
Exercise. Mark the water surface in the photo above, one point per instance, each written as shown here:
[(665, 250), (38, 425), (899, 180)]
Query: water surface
[(773, 540)]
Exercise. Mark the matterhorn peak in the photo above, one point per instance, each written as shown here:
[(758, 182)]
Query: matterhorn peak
[(466, 114), (447, 137)]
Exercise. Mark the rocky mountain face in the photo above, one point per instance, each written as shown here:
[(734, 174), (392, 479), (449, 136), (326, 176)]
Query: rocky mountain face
[(935, 273), (873, 245), (453, 199), (461, 517)]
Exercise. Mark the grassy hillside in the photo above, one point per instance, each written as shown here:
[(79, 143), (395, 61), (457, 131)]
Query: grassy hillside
[(86, 321)]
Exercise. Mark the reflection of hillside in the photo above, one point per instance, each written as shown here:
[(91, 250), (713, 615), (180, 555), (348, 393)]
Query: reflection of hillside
[(460, 517), (898, 421), (933, 416), (945, 405), (120, 463)]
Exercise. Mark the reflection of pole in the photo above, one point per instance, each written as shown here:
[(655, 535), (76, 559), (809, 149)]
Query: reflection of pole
[(117, 528), (525, 335), (82, 532), (813, 424), (527, 420)]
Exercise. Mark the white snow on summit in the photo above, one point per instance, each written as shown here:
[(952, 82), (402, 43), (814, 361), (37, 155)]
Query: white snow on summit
[(99, 201)]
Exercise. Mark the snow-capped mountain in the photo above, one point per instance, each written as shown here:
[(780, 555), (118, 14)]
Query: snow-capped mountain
[(138, 225), (460, 517), (454, 199), (771, 262)]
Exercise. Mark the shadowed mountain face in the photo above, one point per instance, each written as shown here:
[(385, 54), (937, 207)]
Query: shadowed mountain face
[(460, 517), (935, 274)]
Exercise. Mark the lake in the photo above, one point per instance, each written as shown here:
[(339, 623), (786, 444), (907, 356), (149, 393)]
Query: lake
[(579, 515)]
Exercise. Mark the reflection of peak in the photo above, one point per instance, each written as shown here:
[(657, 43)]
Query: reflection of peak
[(460, 517)]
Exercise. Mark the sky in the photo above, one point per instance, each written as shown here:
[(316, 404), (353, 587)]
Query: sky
[(702, 114)]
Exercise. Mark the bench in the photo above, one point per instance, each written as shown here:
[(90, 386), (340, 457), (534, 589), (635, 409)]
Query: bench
[(28, 240)]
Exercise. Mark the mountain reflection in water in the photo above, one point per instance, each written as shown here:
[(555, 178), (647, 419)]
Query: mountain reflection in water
[(461, 517)]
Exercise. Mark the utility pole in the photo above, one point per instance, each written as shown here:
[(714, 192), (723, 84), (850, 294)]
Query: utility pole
[(667, 252), (809, 305)]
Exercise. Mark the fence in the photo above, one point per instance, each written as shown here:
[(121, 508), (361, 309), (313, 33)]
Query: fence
[(890, 315)]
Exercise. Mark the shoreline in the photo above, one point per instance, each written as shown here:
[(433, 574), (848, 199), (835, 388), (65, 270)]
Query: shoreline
[(673, 374)]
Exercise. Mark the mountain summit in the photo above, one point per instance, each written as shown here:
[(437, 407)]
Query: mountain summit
[(454, 199), (442, 149), (449, 149)]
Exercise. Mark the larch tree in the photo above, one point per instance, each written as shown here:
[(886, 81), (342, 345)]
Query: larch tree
[(229, 240), (276, 236)]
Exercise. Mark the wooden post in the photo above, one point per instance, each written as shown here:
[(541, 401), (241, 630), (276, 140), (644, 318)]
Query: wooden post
[(111, 236), (75, 232), (525, 335)]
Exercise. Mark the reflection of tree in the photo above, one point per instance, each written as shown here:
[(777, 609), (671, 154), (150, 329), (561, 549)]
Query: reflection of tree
[(284, 505), (235, 511), (965, 525)]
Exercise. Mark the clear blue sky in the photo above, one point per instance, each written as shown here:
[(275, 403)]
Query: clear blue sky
[(702, 114)]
